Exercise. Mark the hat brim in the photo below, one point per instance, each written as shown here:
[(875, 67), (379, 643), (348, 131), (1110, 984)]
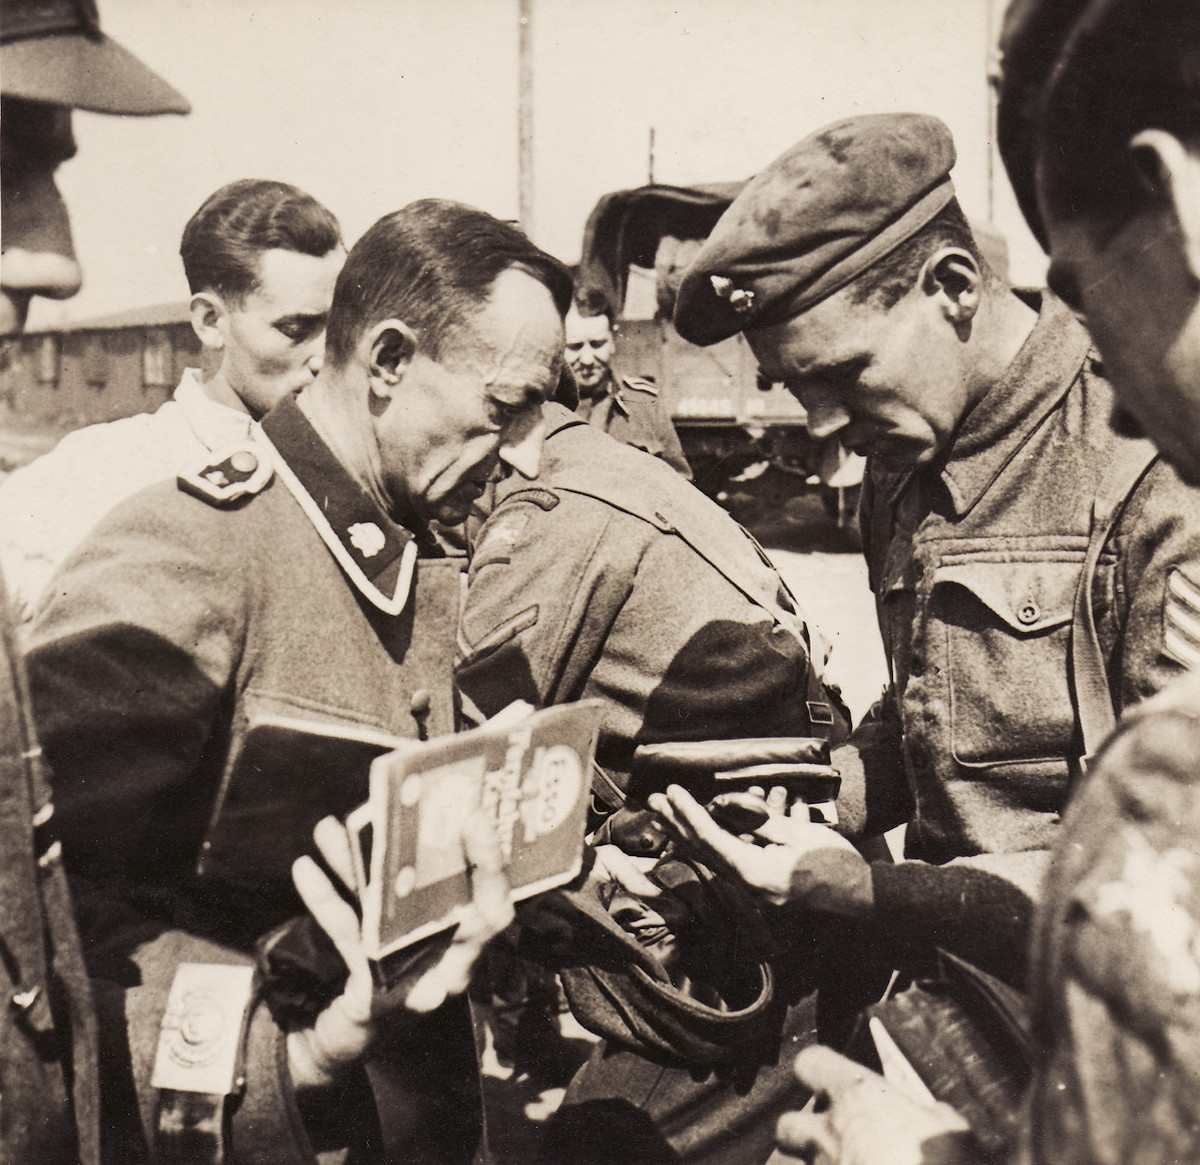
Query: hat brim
[(84, 73)]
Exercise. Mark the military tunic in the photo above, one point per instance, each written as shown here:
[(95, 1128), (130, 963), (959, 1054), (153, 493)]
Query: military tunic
[(176, 624), (49, 506), (630, 412), (610, 577), (974, 561), (672, 615)]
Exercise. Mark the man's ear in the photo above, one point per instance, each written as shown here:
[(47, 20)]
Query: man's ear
[(388, 348), (207, 309), (953, 275), (1169, 174)]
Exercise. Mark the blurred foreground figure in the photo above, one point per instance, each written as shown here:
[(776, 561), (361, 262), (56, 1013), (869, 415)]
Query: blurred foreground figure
[(261, 259), (53, 58), (1100, 103), (293, 576)]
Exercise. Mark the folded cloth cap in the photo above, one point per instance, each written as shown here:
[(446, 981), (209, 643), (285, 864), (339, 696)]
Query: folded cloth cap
[(815, 219), (54, 51)]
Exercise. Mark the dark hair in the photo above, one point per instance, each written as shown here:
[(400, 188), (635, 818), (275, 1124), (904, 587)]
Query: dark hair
[(224, 239), (1129, 65), (431, 265), (887, 282), (592, 302)]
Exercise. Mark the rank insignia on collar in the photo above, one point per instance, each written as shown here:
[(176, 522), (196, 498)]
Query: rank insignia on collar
[(367, 538), (229, 473)]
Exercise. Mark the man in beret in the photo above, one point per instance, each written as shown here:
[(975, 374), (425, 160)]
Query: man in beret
[(1115, 1005), (995, 484)]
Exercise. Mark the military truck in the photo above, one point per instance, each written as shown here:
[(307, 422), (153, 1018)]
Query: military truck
[(743, 435)]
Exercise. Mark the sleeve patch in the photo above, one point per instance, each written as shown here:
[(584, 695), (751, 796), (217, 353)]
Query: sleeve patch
[(499, 537), (1181, 620)]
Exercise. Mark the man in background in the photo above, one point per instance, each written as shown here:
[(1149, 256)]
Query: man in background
[(261, 259), (53, 58), (626, 408)]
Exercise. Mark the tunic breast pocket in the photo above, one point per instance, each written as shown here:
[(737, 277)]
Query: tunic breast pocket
[(1008, 627)]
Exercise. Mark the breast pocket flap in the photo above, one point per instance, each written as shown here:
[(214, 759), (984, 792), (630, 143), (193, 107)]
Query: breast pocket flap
[(1029, 597)]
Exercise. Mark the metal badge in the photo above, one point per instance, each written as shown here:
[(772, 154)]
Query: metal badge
[(199, 1042), (741, 299)]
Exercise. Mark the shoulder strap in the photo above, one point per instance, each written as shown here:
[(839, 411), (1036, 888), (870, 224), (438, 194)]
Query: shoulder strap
[(1094, 704)]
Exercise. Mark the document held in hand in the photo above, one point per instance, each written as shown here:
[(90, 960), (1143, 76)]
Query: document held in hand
[(531, 774)]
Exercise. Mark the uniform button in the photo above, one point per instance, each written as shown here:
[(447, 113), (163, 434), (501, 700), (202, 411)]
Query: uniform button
[(1028, 613), (24, 998), (243, 461)]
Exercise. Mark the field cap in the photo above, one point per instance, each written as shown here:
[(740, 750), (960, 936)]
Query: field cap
[(54, 51), (814, 220)]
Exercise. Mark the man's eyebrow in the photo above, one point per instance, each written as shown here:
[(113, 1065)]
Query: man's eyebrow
[(301, 317)]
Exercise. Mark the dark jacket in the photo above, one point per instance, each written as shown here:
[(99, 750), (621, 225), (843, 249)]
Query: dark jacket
[(48, 1067)]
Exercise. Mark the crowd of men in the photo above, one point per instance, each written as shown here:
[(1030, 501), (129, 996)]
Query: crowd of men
[(285, 537)]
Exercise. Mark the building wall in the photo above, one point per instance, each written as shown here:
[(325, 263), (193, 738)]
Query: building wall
[(53, 382)]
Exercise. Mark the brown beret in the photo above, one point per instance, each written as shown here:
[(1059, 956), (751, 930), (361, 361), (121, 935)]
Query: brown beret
[(814, 220)]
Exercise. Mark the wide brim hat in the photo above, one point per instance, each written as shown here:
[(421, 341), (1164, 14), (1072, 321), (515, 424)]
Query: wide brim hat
[(54, 51)]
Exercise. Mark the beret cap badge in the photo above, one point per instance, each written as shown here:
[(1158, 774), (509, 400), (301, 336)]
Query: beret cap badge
[(741, 299)]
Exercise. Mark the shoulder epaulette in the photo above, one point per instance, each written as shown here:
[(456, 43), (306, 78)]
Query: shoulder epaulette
[(547, 499), (228, 474), (640, 384)]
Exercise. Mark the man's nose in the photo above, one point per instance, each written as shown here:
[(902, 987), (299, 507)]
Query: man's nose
[(316, 357), (521, 448), (39, 256), (826, 415)]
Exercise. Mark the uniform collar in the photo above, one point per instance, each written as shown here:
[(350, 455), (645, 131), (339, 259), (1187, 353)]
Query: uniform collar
[(377, 555), (996, 430), (214, 425)]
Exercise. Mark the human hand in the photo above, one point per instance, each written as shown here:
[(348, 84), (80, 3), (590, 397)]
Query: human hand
[(613, 864), (800, 863), (343, 1032), (868, 1121)]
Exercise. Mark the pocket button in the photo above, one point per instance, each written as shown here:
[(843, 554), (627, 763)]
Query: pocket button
[(1028, 612)]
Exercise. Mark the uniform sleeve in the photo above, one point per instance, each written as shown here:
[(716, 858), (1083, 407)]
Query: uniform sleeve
[(1117, 977), (548, 576), (129, 657), (875, 795), (1156, 585)]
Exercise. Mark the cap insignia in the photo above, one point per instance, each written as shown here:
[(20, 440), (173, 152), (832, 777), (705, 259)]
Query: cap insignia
[(741, 299)]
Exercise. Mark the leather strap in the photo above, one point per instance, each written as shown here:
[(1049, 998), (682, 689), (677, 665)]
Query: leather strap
[(1094, 705)]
